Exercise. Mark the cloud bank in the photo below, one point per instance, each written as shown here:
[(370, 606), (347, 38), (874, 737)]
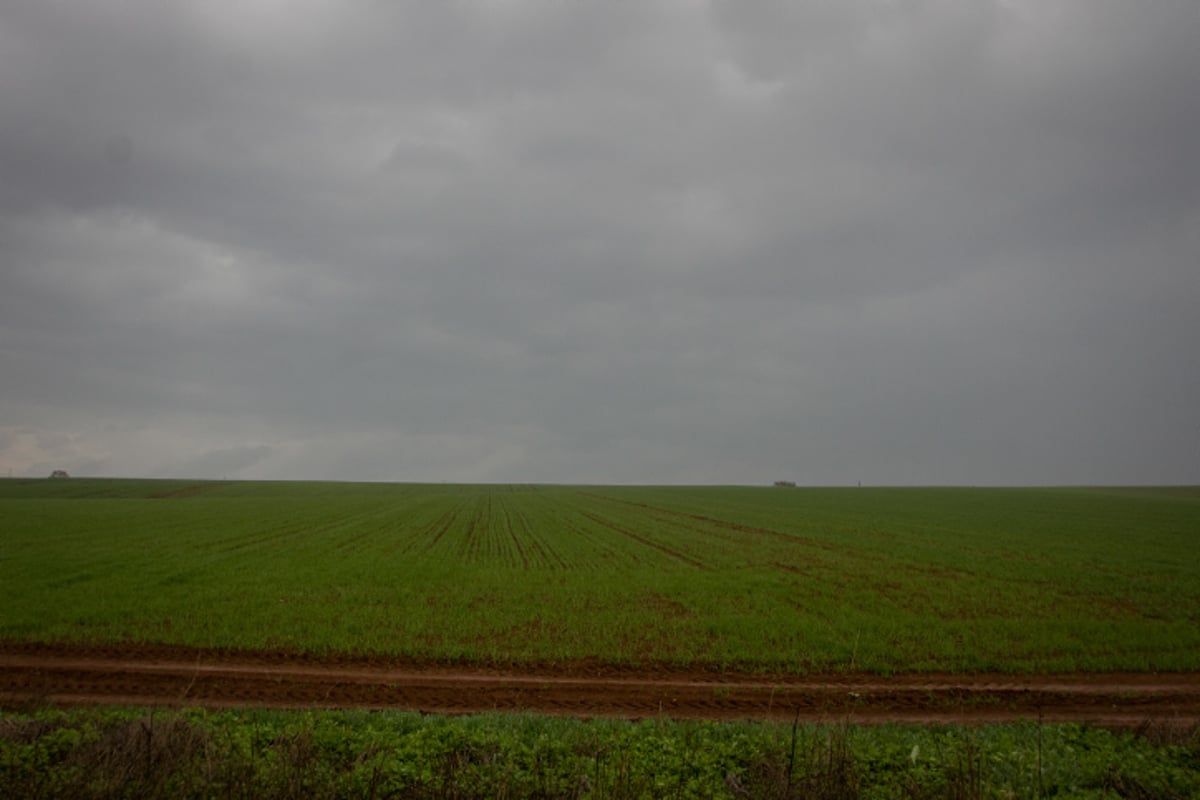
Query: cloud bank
[(898, 242)]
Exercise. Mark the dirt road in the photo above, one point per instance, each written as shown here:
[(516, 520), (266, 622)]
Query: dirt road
[(32, 674)]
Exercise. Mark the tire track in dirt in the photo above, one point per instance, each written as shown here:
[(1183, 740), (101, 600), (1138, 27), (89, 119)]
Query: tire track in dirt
[(63, 674), (642, 540), (718, 523)]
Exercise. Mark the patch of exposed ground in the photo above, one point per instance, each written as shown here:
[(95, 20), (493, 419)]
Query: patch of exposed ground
[(66, 674), (187, 491)]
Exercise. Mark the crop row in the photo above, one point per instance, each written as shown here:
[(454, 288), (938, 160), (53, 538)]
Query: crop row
[(877, 579)]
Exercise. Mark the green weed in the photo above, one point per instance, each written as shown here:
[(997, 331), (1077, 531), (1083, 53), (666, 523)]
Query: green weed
[(112, 753)]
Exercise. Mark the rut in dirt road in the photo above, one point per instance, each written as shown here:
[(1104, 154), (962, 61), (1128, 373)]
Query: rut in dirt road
[(32, 674)]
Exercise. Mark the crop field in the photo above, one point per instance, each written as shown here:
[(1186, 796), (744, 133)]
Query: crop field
[(875, 580)]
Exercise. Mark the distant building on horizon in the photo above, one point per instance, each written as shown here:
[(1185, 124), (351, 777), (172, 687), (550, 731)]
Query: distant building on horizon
[(59, 473), (790, 484)]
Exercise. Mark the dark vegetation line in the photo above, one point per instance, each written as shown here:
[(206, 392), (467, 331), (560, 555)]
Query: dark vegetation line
[(97, 754)]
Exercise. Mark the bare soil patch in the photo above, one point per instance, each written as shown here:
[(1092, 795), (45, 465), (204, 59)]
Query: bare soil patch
[(187, 491), (139, 674)]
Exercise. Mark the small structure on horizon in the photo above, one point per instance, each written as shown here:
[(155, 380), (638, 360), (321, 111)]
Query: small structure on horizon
[(789, 484), (59, 473)]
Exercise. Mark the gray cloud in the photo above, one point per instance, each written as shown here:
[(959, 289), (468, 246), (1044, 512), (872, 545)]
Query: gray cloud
[(910, 242)]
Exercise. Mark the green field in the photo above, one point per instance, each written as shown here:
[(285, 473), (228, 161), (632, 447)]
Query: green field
[(882, 580)]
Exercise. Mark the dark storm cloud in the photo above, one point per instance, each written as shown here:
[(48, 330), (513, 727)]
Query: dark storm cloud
[(900, 242)]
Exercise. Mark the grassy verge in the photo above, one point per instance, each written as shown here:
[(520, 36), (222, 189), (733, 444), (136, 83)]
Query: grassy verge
[(111, 753)]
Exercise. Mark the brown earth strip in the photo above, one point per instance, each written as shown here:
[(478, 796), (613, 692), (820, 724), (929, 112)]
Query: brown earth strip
[(188, 491), (64, 674)]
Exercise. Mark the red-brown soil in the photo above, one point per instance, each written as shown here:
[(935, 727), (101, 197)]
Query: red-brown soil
[(133, 674)]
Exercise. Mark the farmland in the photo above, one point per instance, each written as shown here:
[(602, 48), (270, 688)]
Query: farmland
[(972, 611), (875, 580)]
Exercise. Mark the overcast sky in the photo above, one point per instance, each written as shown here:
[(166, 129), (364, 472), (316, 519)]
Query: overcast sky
[(609, 241)]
